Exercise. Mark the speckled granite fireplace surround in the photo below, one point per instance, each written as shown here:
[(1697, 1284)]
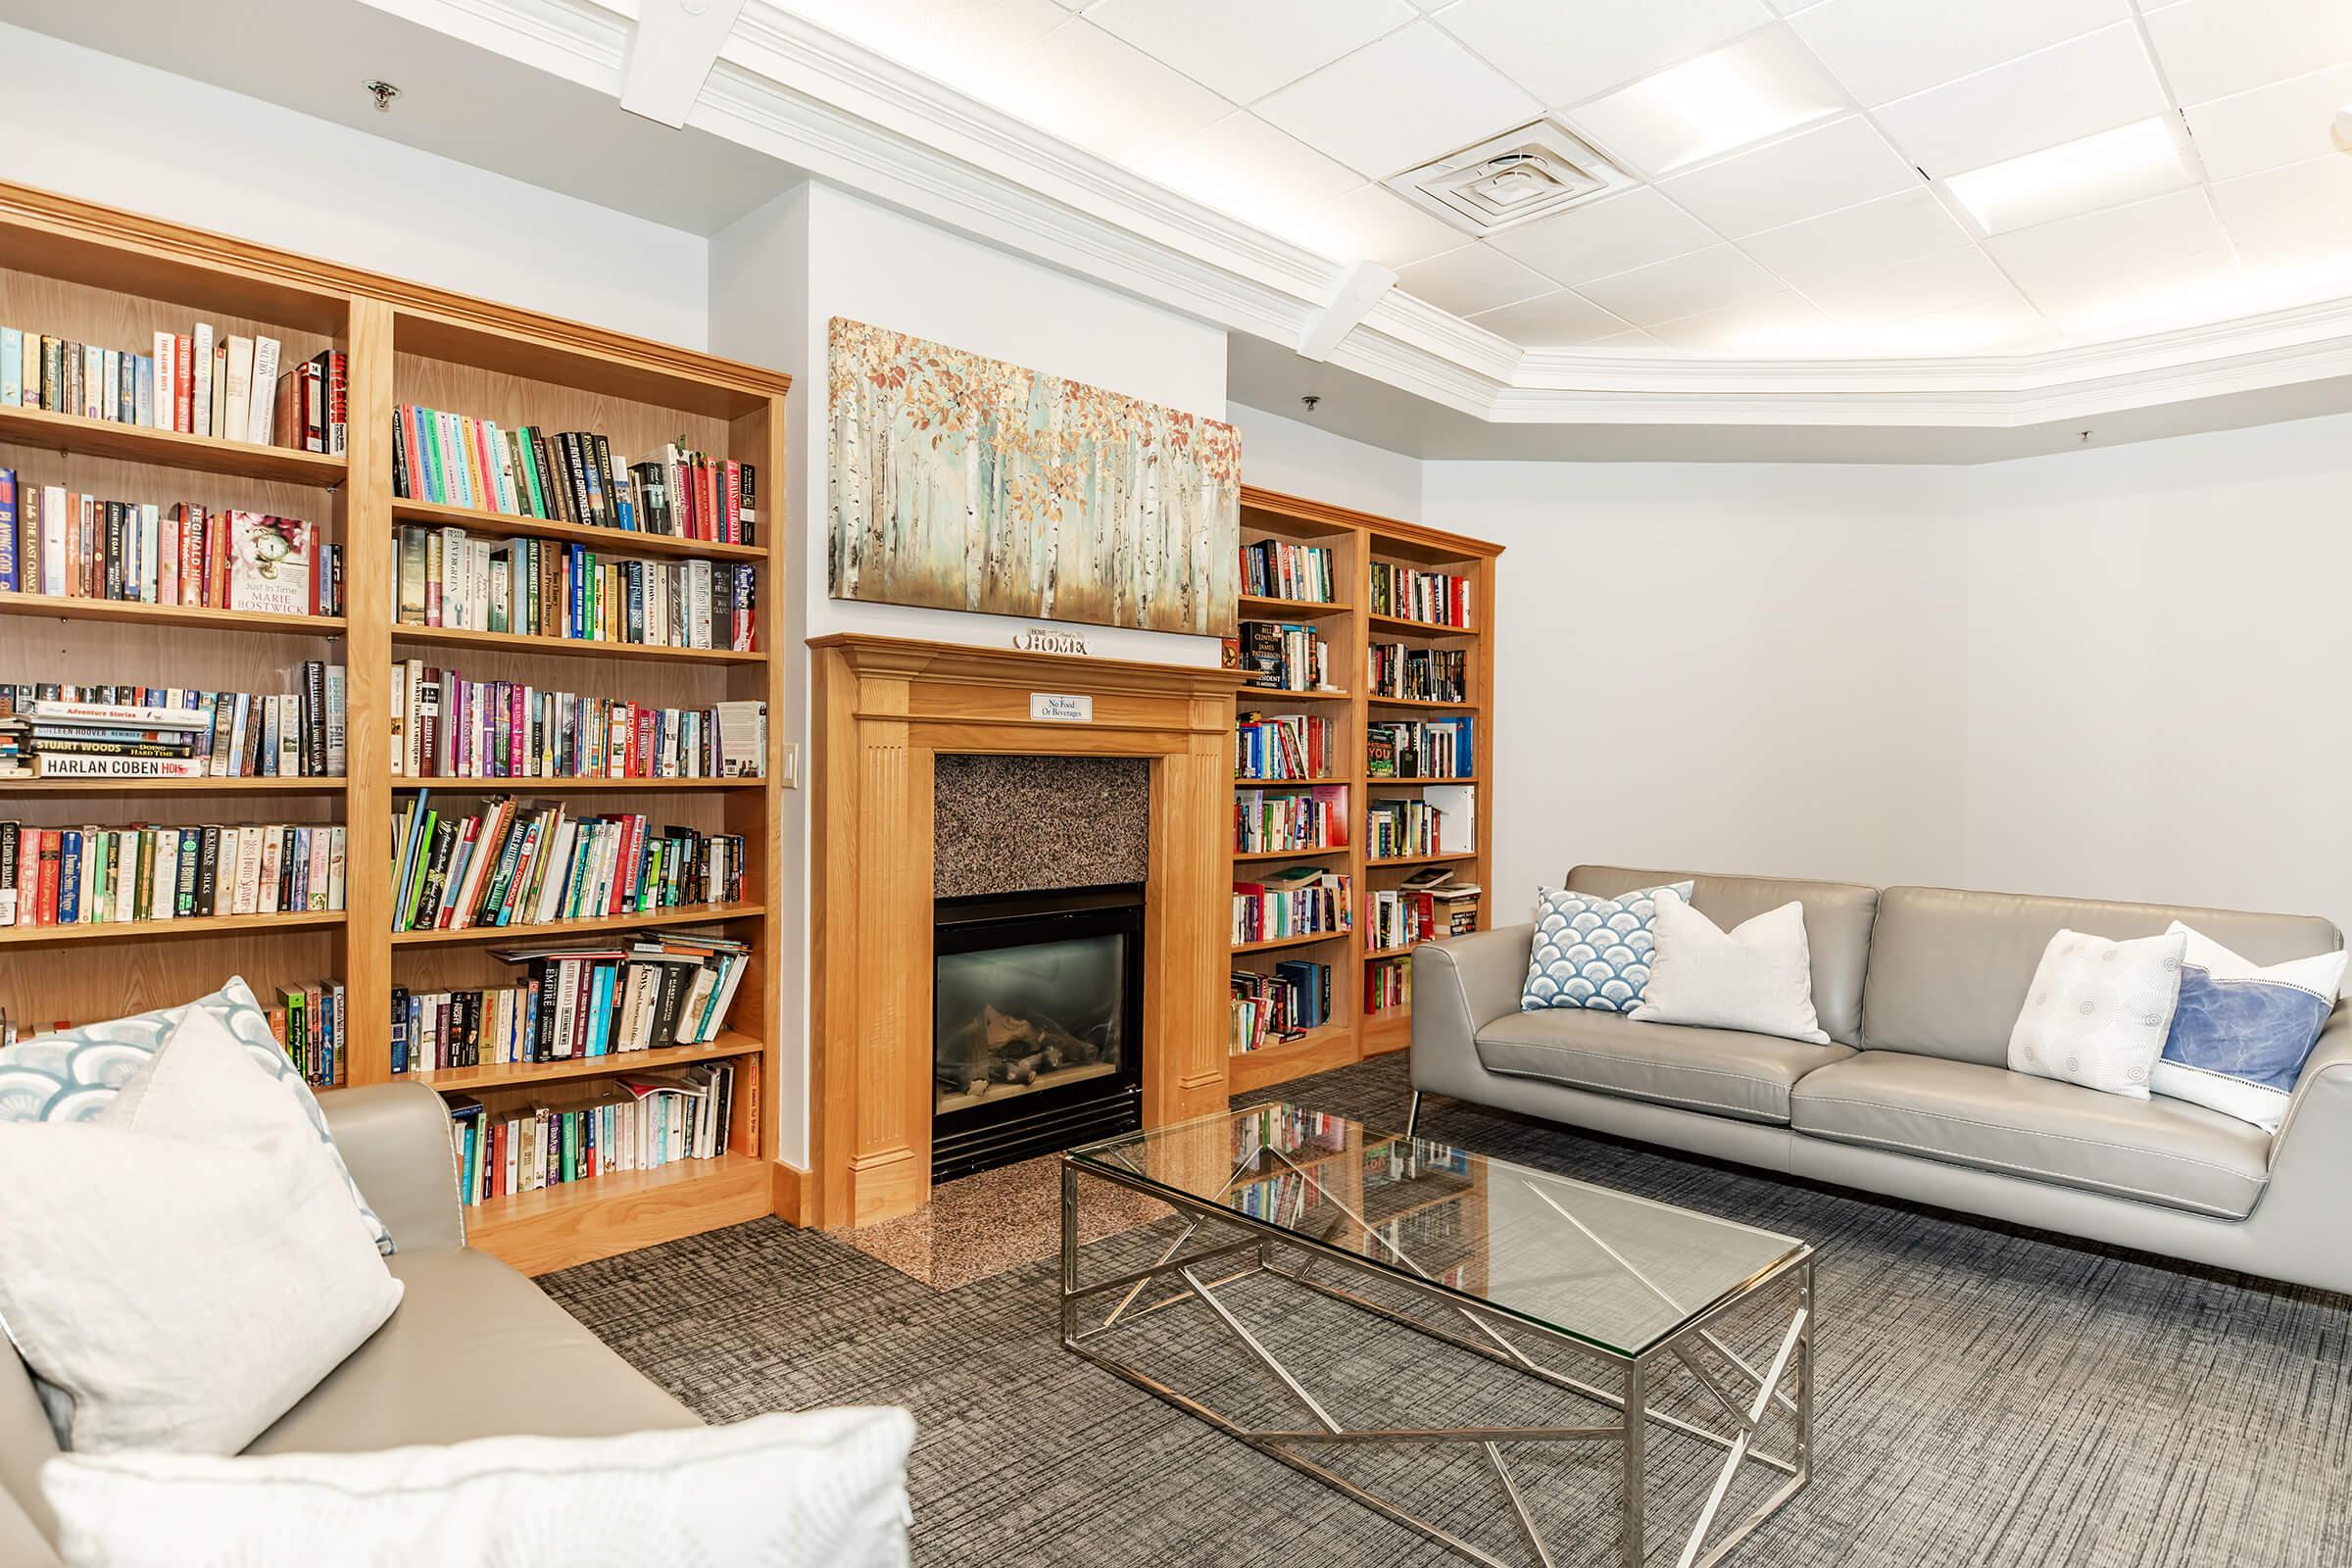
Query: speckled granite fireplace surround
[(1030, 824)]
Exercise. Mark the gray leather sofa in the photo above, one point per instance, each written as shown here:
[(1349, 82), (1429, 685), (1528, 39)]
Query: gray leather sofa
[(1916, 988), (473, 1351)]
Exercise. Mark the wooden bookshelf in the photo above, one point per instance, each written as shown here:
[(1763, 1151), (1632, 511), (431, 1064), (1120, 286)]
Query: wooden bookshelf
[(1359, 539), (104, 276)]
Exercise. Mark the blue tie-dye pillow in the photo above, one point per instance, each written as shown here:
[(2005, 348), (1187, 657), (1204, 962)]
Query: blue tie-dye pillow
[(2241, 1032), (73, 1075)]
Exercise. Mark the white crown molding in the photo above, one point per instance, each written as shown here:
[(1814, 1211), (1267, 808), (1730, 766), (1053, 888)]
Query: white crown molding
[(845, 114)]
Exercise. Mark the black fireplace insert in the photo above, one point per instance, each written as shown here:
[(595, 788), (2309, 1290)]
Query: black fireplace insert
[(1037, 1024)]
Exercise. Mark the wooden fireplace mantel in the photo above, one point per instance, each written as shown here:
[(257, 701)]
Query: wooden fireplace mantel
[(884, 708)]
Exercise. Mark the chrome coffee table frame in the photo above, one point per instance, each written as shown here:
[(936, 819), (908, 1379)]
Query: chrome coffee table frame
[(1745, 1394)]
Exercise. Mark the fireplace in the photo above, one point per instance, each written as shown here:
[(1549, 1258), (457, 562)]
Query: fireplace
[(1037, 1027)]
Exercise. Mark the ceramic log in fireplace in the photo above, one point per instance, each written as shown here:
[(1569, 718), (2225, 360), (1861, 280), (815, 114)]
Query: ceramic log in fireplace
[(1037, 1031)]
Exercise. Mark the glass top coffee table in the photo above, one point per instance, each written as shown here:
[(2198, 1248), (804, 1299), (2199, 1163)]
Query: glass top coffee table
[(1620, 1300)]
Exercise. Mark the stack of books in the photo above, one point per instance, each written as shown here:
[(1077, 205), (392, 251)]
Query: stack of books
[(1434, 748), (1296, 900), (571, 477), (1275, 569), (1270, 1009), (51, 876), (516, 862), (66, 544), (134, 732), (1388, 984), (656, 990), (1267, 820), (1420, 674), (1427, 907), (546, 588), (639, 1122), (200, 383), (1401, 830), (1437, 598), (309, 1022), (1285, 657), (1282, 746), (445, 726)]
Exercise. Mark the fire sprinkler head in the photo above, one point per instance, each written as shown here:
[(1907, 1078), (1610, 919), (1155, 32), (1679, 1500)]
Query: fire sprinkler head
[(2343, 128)]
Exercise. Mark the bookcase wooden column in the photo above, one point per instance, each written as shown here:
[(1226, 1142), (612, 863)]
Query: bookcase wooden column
[(365, 512), (884, 709)]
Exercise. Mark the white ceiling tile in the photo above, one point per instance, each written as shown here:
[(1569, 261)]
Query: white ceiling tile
[(1566, 53), (2212, 48), (1893, 228), (1775, 322), (1109, 96), (1369, 224), (1605, 236), (1762, 86), (1947, 281), (1629, 338), (1703, 280), (2292, 217), (970, 44), (1476, 277), (2283, 123), (1245, 49), (1804, 175), (1888, 49), (2075, 266), (2091, 83), (1553, 320), (1986, 329), (1244, 167), (1414, 95)]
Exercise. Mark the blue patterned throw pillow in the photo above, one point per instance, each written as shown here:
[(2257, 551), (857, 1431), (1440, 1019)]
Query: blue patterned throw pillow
[(2241, 1032), (1590, 952), (72, 1075)]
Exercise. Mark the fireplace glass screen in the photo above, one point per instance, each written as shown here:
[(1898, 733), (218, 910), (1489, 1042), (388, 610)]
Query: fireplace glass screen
[(1015, 1020)]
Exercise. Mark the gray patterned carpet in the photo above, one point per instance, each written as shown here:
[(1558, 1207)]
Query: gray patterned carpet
[(1987, 1396)]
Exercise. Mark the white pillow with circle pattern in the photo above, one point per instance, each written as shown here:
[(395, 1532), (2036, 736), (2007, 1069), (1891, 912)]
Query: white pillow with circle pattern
[(2098, 1012)]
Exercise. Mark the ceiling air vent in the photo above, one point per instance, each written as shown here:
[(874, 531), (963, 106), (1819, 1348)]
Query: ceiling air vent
[(1513, 178)]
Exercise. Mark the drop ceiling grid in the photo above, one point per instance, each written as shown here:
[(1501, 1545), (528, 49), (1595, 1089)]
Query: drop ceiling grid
[(1478, 278)]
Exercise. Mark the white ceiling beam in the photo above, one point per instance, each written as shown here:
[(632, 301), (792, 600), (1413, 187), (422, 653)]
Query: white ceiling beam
[(1358, 289), (670, 55)]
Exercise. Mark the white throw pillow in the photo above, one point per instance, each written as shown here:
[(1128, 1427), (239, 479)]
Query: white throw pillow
[(1757, 976), (2097, 1012), (181, 1270), (2242, 1032), (824, 1490)]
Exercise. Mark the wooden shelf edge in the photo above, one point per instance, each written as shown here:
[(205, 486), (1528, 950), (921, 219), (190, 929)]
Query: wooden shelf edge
[(1419, 859), (556, 786), (211, 925), (558, 930), (173, 786), (1424, 628), (1319, 1049), (507, 1074), (137, 610), (569, 647), (616, 541), (1308, 940), (578, 1222), (138, 443), (1288, 855)]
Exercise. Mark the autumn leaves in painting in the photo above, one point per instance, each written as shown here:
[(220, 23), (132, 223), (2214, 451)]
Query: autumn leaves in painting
[(966, 483)]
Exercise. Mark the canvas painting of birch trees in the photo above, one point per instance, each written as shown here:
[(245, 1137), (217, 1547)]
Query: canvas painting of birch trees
[(962, 482)]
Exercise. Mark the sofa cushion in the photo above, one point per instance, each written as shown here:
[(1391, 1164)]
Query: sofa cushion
[(1837, 922), (1949, 969), (1721, 1073), (2153, 1150), (475, 1350)]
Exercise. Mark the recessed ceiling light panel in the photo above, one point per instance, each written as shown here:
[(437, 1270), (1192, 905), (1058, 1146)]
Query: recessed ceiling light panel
[(2128, 164), (1515, 178), (1743, 93)]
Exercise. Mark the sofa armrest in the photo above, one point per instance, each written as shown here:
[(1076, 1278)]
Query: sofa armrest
[(395, 1138), (1460, 986), (2323, 1096)]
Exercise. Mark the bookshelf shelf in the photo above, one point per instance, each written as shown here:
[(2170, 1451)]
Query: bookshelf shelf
[(211, 925), (1308, 940), (138, 613), (605, 541), (402, 342), (136, 443), (1290, 855), (510, 1074), (569, 647), (173, 786), (1357, 541), (560, 930), (1256, 607), (566, 786)]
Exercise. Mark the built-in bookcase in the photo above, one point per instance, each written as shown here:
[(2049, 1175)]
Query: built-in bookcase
[(84, 271), (1358, 541)]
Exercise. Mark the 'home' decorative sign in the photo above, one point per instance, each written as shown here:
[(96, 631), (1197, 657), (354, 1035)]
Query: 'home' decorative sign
[(1038, 640)]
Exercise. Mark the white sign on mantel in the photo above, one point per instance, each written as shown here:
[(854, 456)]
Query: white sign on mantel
[(1063, 708)]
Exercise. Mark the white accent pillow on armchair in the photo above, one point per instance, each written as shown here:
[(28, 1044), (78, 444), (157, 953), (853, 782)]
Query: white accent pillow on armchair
[(1757, 976)]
